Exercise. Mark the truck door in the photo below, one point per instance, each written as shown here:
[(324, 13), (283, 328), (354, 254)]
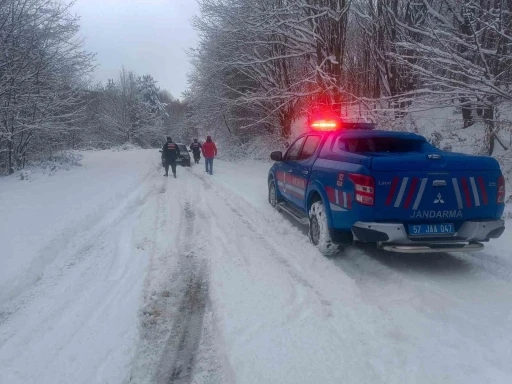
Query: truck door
[(285, 170), (299, 169)]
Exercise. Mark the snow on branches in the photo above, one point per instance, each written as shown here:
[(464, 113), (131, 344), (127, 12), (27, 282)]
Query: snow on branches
[(262, 65), (43, 70)]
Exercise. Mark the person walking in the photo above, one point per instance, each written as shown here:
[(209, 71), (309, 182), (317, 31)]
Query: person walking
[(170, 152), (195, 147), (209, 152)]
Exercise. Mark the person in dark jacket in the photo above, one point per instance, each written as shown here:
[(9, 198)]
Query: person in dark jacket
[(195, 147), (170, 152), (209, 152)]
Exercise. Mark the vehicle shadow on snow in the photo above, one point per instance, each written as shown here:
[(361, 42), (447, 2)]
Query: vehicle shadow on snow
[(303, 228), (439, 263)]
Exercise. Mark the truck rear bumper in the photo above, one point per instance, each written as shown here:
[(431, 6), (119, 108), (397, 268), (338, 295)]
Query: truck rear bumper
[(432, 248), (394, 235)]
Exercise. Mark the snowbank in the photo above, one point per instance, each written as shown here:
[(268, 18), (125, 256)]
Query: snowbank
[(43, 214), (73, 265)]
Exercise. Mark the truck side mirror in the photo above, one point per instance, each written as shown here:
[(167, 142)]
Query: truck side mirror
[(277, 156)]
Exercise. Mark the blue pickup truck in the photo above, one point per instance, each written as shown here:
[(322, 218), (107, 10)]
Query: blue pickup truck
[(350, 182)]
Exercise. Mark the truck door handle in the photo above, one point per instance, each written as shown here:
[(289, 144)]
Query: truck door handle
[(305, 172), (290, 171)]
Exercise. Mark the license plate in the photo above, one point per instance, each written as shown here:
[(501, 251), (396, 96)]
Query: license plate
[(431, 229)]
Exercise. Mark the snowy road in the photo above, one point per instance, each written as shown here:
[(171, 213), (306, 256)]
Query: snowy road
[(198, 280)]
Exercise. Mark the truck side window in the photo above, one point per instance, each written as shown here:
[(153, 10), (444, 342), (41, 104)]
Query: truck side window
[(340, 145), (293, 151), (310, 147)]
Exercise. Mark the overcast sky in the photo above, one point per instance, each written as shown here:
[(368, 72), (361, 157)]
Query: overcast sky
[(146, 36)]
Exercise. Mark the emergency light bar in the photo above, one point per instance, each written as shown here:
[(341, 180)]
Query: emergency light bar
[(333, 125), (324, 125)]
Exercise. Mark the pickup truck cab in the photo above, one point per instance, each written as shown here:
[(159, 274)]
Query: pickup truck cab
[(350, 182)]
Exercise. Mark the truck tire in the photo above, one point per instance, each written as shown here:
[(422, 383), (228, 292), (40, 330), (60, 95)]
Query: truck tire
[(272, 194), (319, 229)]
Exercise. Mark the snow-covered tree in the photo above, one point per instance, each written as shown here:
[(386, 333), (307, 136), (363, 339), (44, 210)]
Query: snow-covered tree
[(131, 109), (43, 72), (258, 60), (462, 54)]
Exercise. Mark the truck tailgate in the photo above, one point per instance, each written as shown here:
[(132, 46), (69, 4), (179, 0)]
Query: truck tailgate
[(421, 190)]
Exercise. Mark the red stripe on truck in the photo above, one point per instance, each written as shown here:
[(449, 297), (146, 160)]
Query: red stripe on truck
[(330, 194), (483, 191), (392, 191), (410, 195), (467, 194)]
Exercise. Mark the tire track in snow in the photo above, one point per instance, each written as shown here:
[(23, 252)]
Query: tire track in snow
[(242, 214), (178, 358), (172, 319), (261, 238), (257, 239)]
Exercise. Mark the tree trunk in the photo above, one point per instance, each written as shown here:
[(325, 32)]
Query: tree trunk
[(489, 124), (11, 168), (286, 126), (467, 115), (226, 123)]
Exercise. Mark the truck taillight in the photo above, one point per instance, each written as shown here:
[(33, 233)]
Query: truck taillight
[(501, 190), (364, 187)]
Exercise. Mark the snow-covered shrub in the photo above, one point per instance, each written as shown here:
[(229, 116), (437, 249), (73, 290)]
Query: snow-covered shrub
[(435, 139), (256, 148), (63, 160), (125, 147), (25, 175)]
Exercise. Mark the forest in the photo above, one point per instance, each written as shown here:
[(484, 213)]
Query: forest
[(260, 68), (261, 65)]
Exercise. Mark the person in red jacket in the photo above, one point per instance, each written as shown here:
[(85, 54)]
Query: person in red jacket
[(209, 152)]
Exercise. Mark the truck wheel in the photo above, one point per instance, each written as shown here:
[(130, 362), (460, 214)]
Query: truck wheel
[(319, 230), (272, 194)]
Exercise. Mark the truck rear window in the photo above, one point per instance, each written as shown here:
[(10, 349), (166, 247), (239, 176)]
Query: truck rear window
[(376, 145)]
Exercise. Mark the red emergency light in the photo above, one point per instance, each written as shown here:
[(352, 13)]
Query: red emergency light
[(329, 125), (324, 125)]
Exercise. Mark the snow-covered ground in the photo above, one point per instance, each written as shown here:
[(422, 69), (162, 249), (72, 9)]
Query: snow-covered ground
[(114, 274)]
